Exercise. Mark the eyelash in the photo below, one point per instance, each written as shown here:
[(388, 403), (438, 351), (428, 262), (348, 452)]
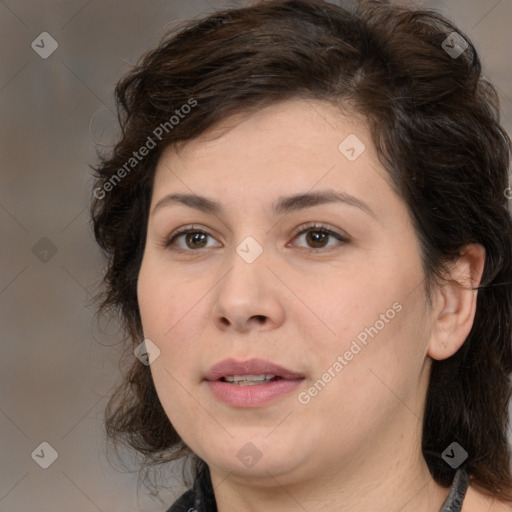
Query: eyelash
[(313, 226)]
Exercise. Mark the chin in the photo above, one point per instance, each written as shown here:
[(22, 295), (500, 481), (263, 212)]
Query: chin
[(256, 457)]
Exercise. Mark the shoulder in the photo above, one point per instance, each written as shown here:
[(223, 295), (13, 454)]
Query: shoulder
[(477, 501)]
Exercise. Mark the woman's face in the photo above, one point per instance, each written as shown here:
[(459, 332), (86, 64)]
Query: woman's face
[(262, 278)]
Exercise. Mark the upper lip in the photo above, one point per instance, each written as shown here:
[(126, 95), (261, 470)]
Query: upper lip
[(229, 367)]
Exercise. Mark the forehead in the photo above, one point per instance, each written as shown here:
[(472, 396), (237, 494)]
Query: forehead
[(289, 147)]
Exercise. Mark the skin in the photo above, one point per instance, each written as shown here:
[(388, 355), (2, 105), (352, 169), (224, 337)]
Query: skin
[(356, 445)]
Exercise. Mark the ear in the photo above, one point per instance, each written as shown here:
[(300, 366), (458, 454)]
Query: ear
[(455, 303)]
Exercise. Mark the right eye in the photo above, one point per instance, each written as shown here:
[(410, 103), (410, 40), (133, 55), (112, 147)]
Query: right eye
[(189, 238)]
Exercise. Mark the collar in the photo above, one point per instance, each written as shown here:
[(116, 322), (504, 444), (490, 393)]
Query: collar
[(453, 502)]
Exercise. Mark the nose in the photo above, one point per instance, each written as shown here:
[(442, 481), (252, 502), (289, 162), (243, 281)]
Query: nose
[(248, 297)]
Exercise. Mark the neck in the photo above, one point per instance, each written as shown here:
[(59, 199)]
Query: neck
[(387, 475), (404, 486)]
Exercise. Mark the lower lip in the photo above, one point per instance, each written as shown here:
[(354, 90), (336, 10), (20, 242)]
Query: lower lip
[(252, 395)]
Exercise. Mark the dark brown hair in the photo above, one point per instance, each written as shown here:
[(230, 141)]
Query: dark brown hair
[(435, 123)]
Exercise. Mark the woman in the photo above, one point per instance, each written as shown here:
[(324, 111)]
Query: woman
[(309, 242)]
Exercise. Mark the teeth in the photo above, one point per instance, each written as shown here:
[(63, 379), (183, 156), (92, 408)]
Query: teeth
[(249, 380)]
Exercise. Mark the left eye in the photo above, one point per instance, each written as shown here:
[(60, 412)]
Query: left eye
[(317, 237)]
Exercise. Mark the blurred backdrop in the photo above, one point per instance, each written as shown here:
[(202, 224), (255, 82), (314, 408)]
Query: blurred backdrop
[(59, 62)]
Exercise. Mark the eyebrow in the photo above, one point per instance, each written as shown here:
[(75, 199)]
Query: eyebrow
[(283, 205)]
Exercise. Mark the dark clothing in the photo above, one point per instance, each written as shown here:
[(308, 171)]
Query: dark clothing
[(200, 497), (453, 502)]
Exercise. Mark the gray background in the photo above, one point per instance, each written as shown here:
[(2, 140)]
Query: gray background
[(57, 362)]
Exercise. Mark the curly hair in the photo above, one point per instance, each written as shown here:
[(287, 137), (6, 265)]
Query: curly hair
[(434, 121)]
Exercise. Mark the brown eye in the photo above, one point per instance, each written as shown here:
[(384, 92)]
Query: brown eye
[(188, 239), (317, 237), (195, 240)]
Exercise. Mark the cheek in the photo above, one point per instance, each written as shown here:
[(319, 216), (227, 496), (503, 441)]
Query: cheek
[(182, 408), (165, 302), (146, 288), (173, 317), (352, 304), (167, 314), (378, 333), (373, 378)]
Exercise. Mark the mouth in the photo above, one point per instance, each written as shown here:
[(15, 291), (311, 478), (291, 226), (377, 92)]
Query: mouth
[(250, 380), (250, 372), (252, 383)]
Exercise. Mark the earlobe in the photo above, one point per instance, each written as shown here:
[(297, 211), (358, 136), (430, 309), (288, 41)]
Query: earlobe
[(455, 307)]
